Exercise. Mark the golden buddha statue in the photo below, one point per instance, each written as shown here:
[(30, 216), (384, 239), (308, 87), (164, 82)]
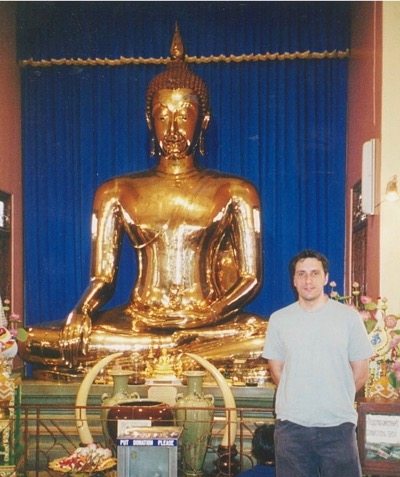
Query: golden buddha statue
[(163, 369), (198, 240)]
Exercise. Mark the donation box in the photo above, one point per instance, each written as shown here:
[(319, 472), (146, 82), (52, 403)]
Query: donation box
[(147, 451)]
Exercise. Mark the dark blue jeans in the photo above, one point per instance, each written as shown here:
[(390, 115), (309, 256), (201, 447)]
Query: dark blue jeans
[(316, 451)]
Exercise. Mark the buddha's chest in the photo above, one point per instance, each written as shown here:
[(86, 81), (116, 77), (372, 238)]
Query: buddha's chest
[(186, 208)]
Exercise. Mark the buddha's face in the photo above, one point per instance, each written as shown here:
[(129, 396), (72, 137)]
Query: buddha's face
[(176, 122)]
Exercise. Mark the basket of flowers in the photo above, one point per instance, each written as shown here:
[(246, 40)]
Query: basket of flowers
[(91, 460)]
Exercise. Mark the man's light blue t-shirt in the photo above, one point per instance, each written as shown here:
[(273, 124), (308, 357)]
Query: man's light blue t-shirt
[(317, 386)]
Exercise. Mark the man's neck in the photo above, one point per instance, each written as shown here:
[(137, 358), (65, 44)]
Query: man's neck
[(315, 304)]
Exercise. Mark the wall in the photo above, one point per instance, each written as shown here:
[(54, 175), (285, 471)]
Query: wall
[(364, 122), (374, 101), (390, 212), (10, 143)]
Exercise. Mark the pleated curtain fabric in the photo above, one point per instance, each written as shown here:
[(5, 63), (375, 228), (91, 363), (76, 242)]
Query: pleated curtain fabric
[(279, 123)]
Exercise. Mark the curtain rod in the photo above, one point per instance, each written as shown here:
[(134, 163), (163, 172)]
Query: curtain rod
[(122, 61)]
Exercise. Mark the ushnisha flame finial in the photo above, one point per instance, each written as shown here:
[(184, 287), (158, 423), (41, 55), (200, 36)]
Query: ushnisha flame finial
[(177, 50)]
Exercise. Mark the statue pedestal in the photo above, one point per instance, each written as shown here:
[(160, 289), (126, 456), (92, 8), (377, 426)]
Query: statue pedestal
[(173, 381), (39, 393)]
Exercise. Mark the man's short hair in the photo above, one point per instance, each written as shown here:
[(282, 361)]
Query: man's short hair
[(309, 253)]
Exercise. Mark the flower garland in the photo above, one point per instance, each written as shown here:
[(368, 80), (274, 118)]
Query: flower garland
[(383, 328), (9, 331)]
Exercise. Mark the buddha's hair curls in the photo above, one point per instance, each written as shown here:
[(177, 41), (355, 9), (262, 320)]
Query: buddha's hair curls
[(176, 76)]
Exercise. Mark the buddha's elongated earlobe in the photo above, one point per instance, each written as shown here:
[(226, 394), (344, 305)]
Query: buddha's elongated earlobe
[(204, 127), (201, 145), (152, 140), (152, 147)]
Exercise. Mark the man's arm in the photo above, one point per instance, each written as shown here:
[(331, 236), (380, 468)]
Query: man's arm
[(275, 368), (360, 372)]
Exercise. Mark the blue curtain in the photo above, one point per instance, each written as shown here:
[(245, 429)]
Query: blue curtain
[(280, 124)]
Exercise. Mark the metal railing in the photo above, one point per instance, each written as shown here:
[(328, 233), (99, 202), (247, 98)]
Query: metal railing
[(41, 434)]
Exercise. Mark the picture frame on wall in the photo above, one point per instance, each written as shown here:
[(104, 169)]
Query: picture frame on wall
[(379, 436)]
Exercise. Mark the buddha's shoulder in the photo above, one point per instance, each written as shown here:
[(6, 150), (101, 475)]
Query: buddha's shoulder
[(229, 180), (129, 180), (209, 178)]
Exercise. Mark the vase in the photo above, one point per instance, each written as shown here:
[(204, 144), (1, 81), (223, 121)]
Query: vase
[(140, 410), (194, 415), (119, 394)]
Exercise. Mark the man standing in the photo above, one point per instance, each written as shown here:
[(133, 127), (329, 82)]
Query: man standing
[(318, 352)]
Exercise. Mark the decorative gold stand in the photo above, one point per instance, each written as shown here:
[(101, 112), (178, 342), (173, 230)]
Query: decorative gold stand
[(226, 464), (9, 426)]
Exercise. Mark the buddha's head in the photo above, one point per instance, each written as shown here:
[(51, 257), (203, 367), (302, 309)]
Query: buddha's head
[(177, 109)]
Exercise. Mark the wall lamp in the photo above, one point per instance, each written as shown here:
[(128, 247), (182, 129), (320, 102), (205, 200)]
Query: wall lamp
[(392, 192)]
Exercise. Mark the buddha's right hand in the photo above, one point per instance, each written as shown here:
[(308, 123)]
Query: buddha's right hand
[(74, 337)]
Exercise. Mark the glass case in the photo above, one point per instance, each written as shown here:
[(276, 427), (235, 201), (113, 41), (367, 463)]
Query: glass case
[(379, 436), (147, 451)]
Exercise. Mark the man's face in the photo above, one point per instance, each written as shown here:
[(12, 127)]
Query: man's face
[(175, 122), (309, 279)]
